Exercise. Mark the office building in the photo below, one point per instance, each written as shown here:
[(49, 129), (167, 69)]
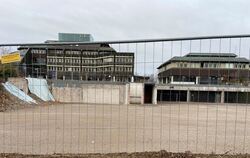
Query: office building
[(93, 62)]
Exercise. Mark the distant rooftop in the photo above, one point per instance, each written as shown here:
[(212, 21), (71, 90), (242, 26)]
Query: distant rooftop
[(207, 57), (74, 37), (211, 55)]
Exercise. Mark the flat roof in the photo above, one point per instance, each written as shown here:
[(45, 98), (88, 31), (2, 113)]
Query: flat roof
[(207, 57), (210, 55), (90, 47), (104, 47)]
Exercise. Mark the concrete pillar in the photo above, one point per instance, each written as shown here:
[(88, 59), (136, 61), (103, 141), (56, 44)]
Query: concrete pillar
[(188, 96), (154, 98), (222, 97), (197, 80), (172, 79), (132, 79), (126, 97)]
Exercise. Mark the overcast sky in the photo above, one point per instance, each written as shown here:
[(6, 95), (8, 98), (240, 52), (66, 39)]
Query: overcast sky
[(39, 20)]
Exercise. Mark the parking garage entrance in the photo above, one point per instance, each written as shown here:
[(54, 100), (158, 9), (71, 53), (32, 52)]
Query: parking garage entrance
[(148, 93)]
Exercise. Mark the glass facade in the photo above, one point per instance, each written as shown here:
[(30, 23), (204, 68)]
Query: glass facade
[(73, 37)]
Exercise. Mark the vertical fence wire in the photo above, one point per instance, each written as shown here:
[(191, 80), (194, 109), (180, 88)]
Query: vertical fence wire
[(198, 108), (136, 69), (179, 108), (3, 116), (48, 119), (236, 111), (161, 116), (188, 110), (226, 119), (217, 110), (144, 108), (246, 112), (170, 106)]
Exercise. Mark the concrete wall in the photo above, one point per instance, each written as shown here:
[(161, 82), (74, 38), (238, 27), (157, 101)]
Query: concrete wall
[(136, 93), (96, 93), (19, 82), (90, 92)]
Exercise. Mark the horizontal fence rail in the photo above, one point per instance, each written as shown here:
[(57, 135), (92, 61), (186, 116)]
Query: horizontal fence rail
[(131, 41)]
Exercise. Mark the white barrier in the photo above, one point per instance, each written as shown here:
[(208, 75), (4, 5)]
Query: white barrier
[(18, 93), (40, 88)]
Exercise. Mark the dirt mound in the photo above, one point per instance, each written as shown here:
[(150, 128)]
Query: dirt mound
[(160, 154), (9, 102)]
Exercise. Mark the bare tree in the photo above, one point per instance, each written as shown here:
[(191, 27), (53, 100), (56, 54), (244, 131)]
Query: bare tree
[(4, 50), (153, 78), (7, 70)]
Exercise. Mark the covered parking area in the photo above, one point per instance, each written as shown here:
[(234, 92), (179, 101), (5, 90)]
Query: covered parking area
[(172, 95), (201, 93)]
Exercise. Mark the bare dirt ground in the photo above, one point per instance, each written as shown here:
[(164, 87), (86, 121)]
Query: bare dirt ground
[(9, 102), (89, 128), (160, 154)]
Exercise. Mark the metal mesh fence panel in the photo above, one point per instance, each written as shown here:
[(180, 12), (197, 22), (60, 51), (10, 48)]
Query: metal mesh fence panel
[(180, 94)]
